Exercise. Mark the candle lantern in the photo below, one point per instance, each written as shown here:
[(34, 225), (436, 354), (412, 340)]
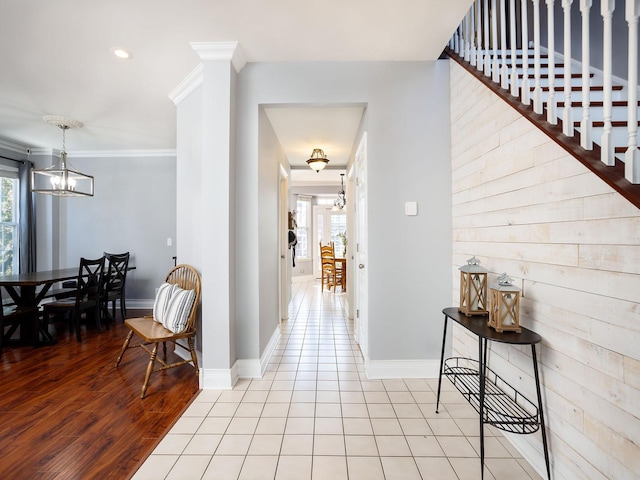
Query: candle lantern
[(504, 311), (473, 288)]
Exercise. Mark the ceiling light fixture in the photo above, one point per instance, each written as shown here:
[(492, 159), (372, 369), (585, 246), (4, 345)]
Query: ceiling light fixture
[(61, 179), (341, 201), (318, 160), (121, 53)]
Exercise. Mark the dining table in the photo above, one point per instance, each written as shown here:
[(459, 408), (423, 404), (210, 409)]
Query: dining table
[(341, 264), (27, 291)]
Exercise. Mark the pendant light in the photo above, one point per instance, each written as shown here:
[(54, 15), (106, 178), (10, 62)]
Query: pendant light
[(61, 179), (318, 160), (341, 201)]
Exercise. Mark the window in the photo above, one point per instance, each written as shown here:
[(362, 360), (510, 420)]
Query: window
[(303, 219), (9, 222)]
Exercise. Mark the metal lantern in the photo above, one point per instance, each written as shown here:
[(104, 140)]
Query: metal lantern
[(473, 288), (504, 313)]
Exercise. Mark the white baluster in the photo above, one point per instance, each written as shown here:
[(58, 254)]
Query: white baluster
[(472, 34), (487, 46), (567, 113), (512, 39), (606, 145), (457, 40), (537, 89), (631, 158), (526, 94), (494, 41), (586, 140), (467, 35), (552, 103), (479, 59), (504, 74)]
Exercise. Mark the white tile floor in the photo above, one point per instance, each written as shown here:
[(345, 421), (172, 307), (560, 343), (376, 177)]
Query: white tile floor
[(315, 415)]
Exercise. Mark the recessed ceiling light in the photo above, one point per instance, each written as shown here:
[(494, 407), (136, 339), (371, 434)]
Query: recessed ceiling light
[(121, 53)]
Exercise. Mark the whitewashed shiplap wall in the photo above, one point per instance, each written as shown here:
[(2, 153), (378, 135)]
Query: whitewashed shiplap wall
[(525, 207)]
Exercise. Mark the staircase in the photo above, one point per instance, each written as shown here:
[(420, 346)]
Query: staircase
[(582, 108)]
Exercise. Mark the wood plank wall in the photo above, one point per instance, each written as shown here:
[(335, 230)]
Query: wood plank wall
[(525, 207)]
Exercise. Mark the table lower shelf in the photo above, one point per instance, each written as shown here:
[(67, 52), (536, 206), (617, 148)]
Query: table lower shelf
[(504, 407)]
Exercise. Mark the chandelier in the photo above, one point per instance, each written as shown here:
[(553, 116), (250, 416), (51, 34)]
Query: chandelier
[(61, 179), (318, 160), (341, 201)]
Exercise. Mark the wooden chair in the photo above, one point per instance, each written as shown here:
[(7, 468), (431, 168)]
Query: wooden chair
[(86, 299), (114, 283), (152, 332), (328, 266)]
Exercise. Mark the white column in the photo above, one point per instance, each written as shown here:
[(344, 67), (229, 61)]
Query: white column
[(525, 92), (552, 102), (567, 113), (631, 158), (586, 140), (504, 73), (606, 145), (204, 177), (472, 34), (479, 53), (537, 89), (495, 68), (512, 38), (487, 44), (466, 35)]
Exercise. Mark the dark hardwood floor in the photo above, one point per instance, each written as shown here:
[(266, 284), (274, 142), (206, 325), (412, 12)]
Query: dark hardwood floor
[(67, 412)]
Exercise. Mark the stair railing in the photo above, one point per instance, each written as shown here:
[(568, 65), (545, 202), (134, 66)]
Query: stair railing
[(489, 32)]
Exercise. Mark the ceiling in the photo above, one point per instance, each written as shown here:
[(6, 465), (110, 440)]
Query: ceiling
[(56, 59)]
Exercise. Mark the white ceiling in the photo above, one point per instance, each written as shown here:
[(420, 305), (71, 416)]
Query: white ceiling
[(55, 59)]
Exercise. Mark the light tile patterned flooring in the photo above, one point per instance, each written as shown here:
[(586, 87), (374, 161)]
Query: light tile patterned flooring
[(315, 415)]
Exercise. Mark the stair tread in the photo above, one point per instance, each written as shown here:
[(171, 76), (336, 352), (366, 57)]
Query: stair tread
[(616, 103), (577, 88), (614, 123)]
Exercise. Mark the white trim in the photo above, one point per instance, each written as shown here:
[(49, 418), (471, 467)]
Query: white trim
[(220, 51), (255, 368), (192, 81), (218, 378), (529, 451), (166, 152), (13, 147), (386, 369), (139, 303)]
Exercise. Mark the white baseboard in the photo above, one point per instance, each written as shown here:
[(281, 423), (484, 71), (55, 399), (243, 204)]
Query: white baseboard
[(532, 452), (138, 303), (225, 379), (254, 367), (386, 369), (218, 378)]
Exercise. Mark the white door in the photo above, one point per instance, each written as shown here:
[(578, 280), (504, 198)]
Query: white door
[(360, 274), (285, 255)]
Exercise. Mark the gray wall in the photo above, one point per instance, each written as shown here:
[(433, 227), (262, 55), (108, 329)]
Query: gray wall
[(409, 160), (134, 210)]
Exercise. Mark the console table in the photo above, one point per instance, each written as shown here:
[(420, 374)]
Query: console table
[(497, 402)]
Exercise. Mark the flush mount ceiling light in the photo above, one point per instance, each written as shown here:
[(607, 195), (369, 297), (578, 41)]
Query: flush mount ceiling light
[(61, 179), (318, 160), (121, 53)]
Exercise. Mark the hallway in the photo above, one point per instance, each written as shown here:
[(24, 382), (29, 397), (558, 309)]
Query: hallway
[(314, 415)]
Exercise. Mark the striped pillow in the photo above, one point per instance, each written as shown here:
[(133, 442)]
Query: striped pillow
[(161, 303), (177, 313)]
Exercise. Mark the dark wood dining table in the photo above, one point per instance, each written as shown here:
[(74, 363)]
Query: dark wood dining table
[(27, 291)]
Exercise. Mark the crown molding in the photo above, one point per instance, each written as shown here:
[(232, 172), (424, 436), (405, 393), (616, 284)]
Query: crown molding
[(168, 152), (192, 81), (220, 51), (14, 147)]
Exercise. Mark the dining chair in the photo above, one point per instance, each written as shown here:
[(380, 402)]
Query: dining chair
[(328, 266), (173, 319), (114, 283), (11, 317), (86, 299)]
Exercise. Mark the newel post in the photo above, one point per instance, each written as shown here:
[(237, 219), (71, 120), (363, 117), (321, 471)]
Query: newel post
[(606, 146)]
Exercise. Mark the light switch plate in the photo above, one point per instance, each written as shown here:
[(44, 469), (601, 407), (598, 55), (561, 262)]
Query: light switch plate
[(411, 208)]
